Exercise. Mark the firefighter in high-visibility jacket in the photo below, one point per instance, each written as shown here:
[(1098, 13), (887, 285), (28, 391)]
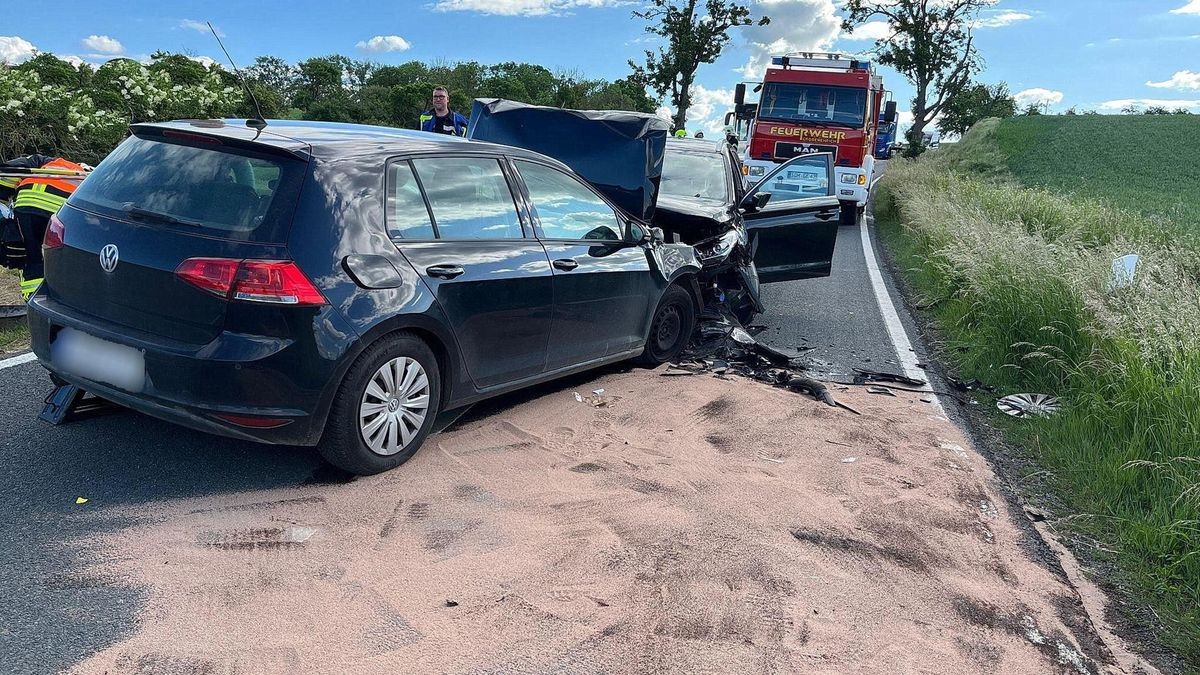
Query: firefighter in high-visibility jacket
[(39, 197)]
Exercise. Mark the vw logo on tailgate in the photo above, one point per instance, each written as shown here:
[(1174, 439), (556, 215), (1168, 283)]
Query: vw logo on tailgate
[(109, 257)]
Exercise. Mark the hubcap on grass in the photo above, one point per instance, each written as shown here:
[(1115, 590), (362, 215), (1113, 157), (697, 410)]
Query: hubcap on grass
[(394, 406)]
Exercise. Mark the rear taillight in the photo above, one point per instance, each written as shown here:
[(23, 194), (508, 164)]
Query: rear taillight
[(55, 233), (277, 282)]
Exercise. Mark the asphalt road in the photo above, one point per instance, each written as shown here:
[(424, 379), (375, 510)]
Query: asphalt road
[(55, 612)]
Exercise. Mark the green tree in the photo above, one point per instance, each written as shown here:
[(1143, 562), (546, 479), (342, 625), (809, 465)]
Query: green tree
[(696, 32), (974, 103), (930, 44), (273, 74)]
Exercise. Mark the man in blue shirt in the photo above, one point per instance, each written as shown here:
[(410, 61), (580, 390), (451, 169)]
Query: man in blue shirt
[(441, 119)]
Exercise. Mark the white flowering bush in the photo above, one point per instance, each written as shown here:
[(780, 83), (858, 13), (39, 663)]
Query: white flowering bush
[(53, 107)]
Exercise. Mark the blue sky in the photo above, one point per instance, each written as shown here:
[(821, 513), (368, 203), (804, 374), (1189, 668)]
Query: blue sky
[(1091, 54)]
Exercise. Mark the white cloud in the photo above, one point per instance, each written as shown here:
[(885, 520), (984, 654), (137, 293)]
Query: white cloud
[(1182, 80), (206, 61), (871, 30), (1002, 19), (707, 112), (14, 49), (796, 25), (199, 26), (1169, 104), (521, 7), (103, 44), (1192, 7), (384, 43), (1038, 96)]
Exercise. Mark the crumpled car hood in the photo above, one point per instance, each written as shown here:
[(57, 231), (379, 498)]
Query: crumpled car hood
[(693, 219), (620, 153)]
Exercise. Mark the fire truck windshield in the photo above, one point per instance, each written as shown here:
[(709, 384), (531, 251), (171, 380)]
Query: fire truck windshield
[(794, 102)]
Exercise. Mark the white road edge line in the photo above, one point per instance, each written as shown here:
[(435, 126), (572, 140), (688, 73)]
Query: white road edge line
[(18, 360), (895, 329)]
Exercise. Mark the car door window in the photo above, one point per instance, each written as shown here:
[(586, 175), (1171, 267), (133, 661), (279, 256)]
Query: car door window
[(469, 197), (566, 208), (799, 178), (407, 215)]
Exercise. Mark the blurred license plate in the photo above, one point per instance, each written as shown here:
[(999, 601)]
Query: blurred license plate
[(99, 360)]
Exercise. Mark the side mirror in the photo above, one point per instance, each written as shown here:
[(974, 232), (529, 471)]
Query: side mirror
[(728, 118), (889, 112), (755, 201), (739, 93)]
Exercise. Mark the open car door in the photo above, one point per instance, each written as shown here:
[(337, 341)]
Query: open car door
[(793, 234)]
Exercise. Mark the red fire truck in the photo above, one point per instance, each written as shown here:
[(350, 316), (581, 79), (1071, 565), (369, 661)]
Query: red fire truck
[(817, 102)]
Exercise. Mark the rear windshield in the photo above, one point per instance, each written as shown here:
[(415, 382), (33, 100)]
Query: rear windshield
[(213, 190)]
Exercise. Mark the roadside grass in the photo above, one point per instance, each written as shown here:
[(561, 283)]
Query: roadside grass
[(1137, 162), (14, 335), (1019, 283)]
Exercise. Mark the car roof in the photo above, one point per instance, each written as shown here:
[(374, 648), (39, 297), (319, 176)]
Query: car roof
[(335, 139)]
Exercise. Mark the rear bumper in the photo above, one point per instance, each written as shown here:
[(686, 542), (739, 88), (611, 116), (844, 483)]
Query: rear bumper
[(185, 384)]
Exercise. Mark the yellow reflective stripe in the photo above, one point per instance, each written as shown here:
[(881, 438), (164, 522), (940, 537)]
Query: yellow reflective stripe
[(9, 182), (29, 287), (35, 196)]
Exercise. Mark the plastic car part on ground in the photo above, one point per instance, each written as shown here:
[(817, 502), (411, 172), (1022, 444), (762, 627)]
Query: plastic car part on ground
[(1028, 405), (722, 346)]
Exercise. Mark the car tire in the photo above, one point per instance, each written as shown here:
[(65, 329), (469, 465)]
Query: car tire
[(849, 215), (671, 328), (374, 408)]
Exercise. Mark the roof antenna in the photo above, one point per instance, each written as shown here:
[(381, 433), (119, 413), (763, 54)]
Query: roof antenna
[(258, 123)]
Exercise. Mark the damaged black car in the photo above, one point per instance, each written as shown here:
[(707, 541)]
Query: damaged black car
[(783, 229)]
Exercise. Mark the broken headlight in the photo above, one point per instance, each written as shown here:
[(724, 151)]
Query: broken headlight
[(718, 248)]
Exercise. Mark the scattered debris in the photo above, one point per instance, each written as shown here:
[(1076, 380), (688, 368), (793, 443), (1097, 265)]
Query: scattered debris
[(849, 460), (771, 459), (844, 445), (451, 603), (81, 500), (880, 390), (969, 385), (1028, 405), (864, 376), (722, 346), (597, 399)]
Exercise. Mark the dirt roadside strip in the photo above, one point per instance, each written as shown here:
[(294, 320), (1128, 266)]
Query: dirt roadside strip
[(693, 524)]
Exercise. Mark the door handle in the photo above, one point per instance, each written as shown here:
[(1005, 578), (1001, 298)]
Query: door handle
[(444, 271), (826, 215), (565, 264)]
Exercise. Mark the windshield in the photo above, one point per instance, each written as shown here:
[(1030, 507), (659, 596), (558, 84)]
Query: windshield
[(694, 174), (844, 106)]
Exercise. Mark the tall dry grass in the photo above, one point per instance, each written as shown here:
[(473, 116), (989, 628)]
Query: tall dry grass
[(1020, 280)]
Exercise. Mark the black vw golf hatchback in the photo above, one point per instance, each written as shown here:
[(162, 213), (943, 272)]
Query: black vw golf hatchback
[(339, 285)]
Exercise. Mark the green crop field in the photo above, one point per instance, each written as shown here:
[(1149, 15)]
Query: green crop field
[(1143, 163), (1008, 238)]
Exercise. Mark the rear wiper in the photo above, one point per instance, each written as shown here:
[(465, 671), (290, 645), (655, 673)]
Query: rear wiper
[(143, 214)]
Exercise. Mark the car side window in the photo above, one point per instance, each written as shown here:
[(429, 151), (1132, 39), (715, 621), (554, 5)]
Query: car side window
[(566, 208), (802, 177), (407, 215), (469, 197)]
